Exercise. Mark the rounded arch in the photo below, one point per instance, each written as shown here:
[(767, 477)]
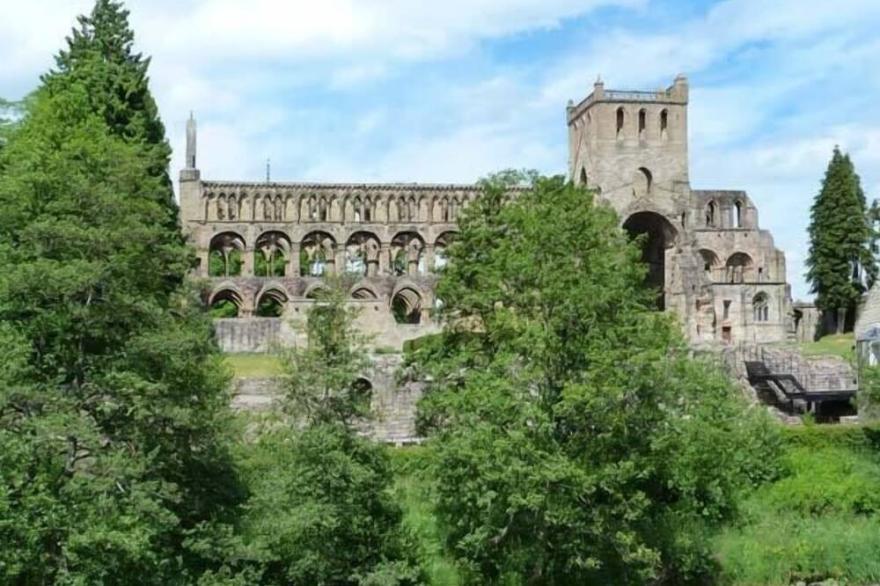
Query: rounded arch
[(317, 253), (271, 253), (225, 253), (736, 214), (362, 254), (711, 210), (664, 124), (711, 263), (225, 302), (407, 254), (620, 121), (406, 305), (271, 301), (315, 291), (643, 124), (363, 292), (761, 307), (643, 182), (657, 235), (441, 245), (739, 267)]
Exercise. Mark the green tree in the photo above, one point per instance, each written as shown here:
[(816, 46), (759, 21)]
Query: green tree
[(100, 56), (321, 510), (573, 440), (840, 264), (114, 450), (11, 114)]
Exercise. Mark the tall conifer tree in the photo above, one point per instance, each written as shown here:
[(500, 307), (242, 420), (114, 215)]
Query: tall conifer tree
[(100, 56), (840, 264)]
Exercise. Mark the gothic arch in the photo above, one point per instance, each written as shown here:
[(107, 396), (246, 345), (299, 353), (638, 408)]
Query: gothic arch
[(643, 182), (441, 244), (363, 292), (225, 302), (761, 307), (406, 305), (271, 301), (711, 213), (657, 235), (315, 290), (711, 263)]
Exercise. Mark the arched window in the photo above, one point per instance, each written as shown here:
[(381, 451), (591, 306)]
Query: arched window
[(316, 254), (362, 254), (620, 120), (761, 307), (710, 214), (664, 123), (643, 123), (271, 254), (736, 214), (739, 267), (225, 304), (407, 254), (710, 263), (440, 247), (362, 393), (225, 255), (271, 303), (642, 182), (583, 177), (363, 294), (406, 306)]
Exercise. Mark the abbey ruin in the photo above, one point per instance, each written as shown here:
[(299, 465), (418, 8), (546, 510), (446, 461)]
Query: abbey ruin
[(266, 246)]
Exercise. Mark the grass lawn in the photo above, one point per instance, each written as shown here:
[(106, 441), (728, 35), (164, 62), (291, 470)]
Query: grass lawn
[(253, 365), (831, 345)]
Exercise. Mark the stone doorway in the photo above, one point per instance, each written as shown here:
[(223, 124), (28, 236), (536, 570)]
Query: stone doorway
[(657, 235)]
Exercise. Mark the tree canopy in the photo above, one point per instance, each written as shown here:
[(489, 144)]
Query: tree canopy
[(840, 264), (574, 441)]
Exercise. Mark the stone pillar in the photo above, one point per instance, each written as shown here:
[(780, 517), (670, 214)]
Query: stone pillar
[(247, 262), (339, 257), (204, 258), (429, 258), (293, 267), (384, 258)]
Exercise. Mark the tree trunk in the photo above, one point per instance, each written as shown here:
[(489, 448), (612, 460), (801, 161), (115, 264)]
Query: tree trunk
[(841, 319)]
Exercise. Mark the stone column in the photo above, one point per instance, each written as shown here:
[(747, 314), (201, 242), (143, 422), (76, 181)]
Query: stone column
[(429, 258), (384, 258), (247, 262), (204, 258), (339, 255), (293, 267)]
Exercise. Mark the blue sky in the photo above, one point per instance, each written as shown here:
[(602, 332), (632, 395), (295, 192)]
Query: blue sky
[(411, 90)]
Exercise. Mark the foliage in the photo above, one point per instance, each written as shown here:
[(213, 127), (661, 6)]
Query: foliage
[(100, 57), (113, 409), (11, 115), (840, 264), (254, 365), (222, 309), (812, 524), (273, 266), (225, 266), (855, 438), (869, 397), (573, 441), (320, 379), (321, 512)]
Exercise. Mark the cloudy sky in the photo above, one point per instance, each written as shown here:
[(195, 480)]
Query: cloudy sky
[(418, 90)]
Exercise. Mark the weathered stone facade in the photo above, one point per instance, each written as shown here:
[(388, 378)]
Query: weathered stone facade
[(717, 269), (265, 247)]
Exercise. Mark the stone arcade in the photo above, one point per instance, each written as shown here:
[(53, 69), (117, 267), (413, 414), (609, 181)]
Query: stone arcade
[(265, 246)]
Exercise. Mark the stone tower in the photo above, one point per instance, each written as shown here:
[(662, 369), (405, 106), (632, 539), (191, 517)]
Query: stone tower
[(632, 145)]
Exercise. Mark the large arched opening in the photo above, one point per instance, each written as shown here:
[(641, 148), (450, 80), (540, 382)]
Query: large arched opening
[(657, 234)]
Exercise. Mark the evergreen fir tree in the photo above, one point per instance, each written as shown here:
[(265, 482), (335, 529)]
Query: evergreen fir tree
[(100, 56), (840, 264)]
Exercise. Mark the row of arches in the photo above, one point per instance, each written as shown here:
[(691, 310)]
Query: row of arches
[(353, 208), (662, 121), (318, 253), (407, 303), (738, 268), (735, 215)]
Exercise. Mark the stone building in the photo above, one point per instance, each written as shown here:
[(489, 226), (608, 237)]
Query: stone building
[(705, 250), (265, 247)]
